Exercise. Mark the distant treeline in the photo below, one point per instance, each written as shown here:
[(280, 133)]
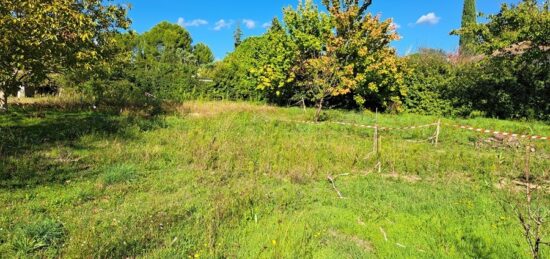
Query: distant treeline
[(336, 59)]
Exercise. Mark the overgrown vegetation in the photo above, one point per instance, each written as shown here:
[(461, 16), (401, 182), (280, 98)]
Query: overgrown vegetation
[(221, 179), (134, 159), (338, 58)]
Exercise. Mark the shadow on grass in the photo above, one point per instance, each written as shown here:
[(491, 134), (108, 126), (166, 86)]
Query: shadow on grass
[(24, 136)]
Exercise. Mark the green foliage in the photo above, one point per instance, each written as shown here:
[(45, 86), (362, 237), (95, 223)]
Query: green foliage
[(428, 83), (163, 41), (164, 62), (227, 179), (39, 38), (512, 80), (469, 18), (342, 57), (369, 66), (274, 69), (516, 29), (203, 54), (159, 65), (108, 81), (232, 76), (237, 36)]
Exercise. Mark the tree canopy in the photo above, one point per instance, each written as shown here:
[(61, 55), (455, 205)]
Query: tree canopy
[(42, 37), (513, 78), (345, 53), (469, 18), (203, 54)]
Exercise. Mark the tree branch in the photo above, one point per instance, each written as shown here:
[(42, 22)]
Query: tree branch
[(364, 7)]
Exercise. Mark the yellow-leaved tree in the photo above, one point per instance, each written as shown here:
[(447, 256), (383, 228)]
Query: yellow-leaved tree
[(344, 53)]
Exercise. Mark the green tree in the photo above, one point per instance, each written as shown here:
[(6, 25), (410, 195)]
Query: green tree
[(164, 40), (274, 70), (369, 66), (233, 77), (203, 54), (43, 37), (237, 35), (469, 18), (512, 80), (164, 63), (106, 80), (331, 57), (314, 66)]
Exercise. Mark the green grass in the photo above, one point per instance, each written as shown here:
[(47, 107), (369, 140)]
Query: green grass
[(238, 180)]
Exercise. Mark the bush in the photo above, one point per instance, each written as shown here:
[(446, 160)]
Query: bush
[(428, 83), (502, 88)]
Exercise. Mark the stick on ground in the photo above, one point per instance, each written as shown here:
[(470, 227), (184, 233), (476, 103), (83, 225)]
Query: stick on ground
[(332, 180)]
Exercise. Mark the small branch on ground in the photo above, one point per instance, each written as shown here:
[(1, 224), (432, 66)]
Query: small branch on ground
[(332, 180)]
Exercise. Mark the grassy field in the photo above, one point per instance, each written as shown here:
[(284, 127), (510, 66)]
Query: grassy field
[(221, 179)]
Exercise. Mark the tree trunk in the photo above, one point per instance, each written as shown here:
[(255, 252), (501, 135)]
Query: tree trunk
[(3, 101), (319, 109)]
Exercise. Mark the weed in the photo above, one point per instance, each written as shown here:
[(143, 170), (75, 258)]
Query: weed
[(44, 237), (219, 179)]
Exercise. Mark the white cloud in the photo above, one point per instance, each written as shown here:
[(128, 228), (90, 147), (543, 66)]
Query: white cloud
[(222, 24), (266, 25), (193, 23), (250, 24), (429, 18)]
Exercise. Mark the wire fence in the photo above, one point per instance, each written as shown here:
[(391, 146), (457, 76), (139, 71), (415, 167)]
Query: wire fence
[(438, 124)]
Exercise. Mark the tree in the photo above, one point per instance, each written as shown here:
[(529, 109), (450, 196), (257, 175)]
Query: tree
[(237, 35), (164, 40), (233, 76), (164, 64), (512, 80), (469, 18), (274, 70), (340, 57), (310, 31), (203, 54), (106, 79), (43, 37), (370, 68)]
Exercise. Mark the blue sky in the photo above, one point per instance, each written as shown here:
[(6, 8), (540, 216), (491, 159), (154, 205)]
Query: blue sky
[(422, 23)]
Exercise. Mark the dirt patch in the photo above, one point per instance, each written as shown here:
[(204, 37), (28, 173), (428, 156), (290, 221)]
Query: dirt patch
[(407, 178), (209, 109), (520, 186)]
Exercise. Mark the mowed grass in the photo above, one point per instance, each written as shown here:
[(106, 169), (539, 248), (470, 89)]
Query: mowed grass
[(222, 179)]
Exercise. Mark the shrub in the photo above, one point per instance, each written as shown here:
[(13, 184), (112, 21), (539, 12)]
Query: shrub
[(428, 83)]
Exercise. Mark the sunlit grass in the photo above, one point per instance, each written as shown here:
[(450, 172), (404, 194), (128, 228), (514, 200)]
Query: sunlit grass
[(222, 179)]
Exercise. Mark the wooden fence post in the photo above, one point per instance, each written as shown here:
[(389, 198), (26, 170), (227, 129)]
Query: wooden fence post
[(377, 141), (379, 146), (437, 131)]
